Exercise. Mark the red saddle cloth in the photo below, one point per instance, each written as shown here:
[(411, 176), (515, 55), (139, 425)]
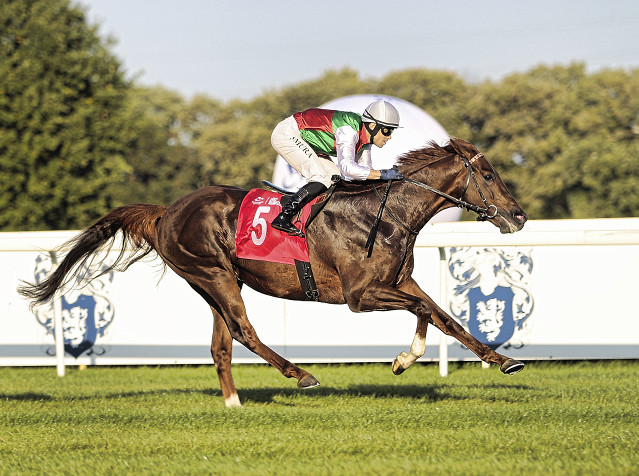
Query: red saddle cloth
[(256, 239)]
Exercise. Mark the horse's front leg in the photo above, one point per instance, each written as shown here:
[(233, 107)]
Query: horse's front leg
[(381, 297), (450, 327), (417, 348), (409, 296)]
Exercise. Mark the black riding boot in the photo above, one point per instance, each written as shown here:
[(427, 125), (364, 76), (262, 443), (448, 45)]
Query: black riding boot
[(294, 204)]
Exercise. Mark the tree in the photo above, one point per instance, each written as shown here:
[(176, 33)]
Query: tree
[(61, 132), (564, 141), (162, 161), (236, 153), (275, 105), (442, 94)]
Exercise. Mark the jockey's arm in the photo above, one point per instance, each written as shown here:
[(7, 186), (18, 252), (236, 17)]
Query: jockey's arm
[(346, 139), (366, 161)]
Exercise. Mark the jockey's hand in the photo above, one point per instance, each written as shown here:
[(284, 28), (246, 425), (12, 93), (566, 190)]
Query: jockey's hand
[(391, 174)]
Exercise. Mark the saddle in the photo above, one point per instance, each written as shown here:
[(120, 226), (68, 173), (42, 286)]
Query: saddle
[(255, 239), (316, 205)]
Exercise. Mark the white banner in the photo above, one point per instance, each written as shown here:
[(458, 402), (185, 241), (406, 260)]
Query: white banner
[(562, 291)]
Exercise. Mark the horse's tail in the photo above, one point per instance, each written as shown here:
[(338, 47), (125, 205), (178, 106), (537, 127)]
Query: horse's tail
[(137, 222)]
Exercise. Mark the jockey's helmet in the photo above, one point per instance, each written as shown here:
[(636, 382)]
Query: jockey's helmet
[(383, 113)]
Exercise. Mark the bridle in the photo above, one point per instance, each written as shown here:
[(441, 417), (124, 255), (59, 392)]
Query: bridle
[(483, 213)]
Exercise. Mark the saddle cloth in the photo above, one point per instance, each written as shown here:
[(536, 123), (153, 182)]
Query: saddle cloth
[(256, 239)]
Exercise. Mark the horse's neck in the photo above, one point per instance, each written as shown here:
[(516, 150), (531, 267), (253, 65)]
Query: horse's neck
[(405, 203), (412, 208), (418, 205), (410, 204)]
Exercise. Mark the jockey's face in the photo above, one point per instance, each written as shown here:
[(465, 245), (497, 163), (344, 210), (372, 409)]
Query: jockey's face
[(380, 139)]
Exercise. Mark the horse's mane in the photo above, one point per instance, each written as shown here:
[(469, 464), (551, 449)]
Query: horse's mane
[(433, 152), (417, 159)]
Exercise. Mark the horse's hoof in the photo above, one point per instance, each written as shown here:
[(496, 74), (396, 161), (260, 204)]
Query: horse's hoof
[(397, 367), (512, 366), (308, 381)]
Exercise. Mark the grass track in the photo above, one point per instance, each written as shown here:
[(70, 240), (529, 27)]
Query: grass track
[(553, 418)]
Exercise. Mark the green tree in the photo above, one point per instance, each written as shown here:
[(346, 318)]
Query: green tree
[(61, 132), (566, 142), (236, 153), (162, 160), (442, 94), (275, 105)]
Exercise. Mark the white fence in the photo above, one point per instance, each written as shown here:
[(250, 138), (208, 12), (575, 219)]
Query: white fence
[(556, 290)]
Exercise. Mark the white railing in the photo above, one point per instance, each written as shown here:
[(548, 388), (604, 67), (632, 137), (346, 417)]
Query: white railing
[(540, 233), (443, 236)]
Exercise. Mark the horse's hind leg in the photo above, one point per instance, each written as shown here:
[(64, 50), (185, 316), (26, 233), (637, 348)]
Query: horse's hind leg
[(223, 294), (221, 351)]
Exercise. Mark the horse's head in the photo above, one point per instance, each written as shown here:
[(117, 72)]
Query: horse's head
[(476, 184), (487, 189)]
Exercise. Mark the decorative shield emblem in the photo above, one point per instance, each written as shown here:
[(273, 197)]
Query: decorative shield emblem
[(87, 310), (491, 296)]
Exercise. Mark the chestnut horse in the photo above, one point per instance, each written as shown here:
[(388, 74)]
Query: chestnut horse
[(195, 237)]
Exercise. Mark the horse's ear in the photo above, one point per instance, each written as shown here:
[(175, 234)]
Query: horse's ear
[(463, 148)]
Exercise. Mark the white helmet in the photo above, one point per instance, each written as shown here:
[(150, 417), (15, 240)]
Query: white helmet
[(383, 113)]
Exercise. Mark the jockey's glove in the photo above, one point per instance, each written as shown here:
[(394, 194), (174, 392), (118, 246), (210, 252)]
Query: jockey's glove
[(391, 174)]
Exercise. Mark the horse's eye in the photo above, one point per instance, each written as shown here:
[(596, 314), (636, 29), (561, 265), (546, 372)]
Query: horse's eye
[(488, 177)]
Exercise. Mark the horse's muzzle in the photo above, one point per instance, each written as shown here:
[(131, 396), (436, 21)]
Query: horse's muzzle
[(512, 221)]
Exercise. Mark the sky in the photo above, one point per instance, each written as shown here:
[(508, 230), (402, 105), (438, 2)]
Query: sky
[(242, 49)]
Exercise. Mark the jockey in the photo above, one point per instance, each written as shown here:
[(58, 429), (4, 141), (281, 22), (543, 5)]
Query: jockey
[(307, 139)]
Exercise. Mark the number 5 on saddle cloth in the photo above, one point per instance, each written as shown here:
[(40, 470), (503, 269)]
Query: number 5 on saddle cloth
[(255, 239)]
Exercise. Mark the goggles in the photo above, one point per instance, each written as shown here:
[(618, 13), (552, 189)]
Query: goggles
[(386, 131)]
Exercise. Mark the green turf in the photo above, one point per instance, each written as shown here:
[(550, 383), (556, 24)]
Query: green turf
[(552, 418)]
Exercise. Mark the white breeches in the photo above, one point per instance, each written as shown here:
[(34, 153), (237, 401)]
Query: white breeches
[(288, 142)]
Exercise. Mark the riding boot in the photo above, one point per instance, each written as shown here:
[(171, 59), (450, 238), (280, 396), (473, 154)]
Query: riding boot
[(294, 204)]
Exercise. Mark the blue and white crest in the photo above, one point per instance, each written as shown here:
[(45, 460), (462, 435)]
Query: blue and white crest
[(87, 310), (491, 296)]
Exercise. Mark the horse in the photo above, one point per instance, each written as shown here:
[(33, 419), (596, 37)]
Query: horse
[(194, 237)]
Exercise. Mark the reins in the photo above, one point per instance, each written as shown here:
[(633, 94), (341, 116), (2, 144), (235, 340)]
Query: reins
[(483, 213), (373, 233)]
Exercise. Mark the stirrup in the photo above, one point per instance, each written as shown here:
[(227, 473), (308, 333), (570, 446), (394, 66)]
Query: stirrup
[(289, 231), (286, 226)]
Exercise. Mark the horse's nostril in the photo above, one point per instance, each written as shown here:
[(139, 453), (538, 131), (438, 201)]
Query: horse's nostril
[(520, 217)]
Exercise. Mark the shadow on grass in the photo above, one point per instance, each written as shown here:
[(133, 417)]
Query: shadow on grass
[(37, 397), (27, 397), (431, 393), (416, 392)]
